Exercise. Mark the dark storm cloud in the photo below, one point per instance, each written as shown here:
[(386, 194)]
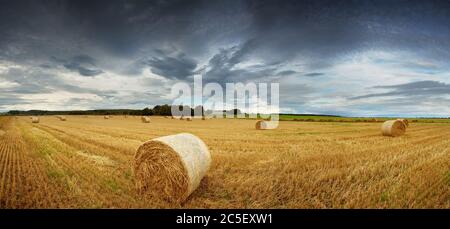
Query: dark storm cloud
[(286, 73), (420, 88), (274, 31), (83, 64), (178, 66), (314, 74), (222, 66)]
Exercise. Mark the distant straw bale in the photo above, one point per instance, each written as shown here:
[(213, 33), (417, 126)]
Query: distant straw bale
[(393, 128)]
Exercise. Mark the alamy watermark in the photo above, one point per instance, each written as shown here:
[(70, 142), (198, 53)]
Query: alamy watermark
[(251, 99)]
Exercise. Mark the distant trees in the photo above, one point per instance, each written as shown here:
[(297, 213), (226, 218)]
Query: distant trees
[(163, 110)]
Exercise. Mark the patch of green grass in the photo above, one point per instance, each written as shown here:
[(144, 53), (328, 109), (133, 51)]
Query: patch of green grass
[(321, 118), (112, 184), (127, 174), (384, 197), (55, 174)]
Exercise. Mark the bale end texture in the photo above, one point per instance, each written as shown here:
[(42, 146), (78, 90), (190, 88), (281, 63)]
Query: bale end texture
[(405, 121), (170, 168), (393, 128)]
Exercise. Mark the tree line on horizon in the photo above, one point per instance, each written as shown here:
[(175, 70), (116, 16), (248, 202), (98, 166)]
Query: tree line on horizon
[(163, 110)]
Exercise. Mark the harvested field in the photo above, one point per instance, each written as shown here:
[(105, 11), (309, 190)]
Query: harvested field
[(88, 163)]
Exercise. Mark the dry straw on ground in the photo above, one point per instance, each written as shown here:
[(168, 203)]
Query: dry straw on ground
[(35, 119), (170, 168), (393, 128), (405, 121), (189, 119), (266, 125), (145, 119), (106, 117)]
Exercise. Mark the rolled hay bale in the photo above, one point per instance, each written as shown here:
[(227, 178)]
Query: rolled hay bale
[(170, 168), (405, 121), (145, 119), (34, 119), (393, 128), (265, 125), (106, 117)]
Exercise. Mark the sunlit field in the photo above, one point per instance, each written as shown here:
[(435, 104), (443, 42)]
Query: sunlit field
[(86, 162)]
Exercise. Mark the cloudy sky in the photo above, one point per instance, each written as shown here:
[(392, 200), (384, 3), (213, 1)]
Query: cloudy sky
[(356, 58)]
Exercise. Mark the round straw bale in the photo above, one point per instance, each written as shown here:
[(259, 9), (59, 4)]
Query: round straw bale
[(34, 119), (171, 167), (145, 119), (265, 125), (393, 128), (405, 121), (106, 117)]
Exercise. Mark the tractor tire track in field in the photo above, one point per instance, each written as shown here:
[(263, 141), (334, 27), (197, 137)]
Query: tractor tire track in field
[(90, 180), (22, 183)]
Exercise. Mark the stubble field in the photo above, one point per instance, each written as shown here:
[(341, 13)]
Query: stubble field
[(86, 162)]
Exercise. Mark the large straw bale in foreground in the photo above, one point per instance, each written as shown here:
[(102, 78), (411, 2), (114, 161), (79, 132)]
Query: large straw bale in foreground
[(34, 119), (171, 167), (405, 121), (145, 119), (393, 128), (266, 125)]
